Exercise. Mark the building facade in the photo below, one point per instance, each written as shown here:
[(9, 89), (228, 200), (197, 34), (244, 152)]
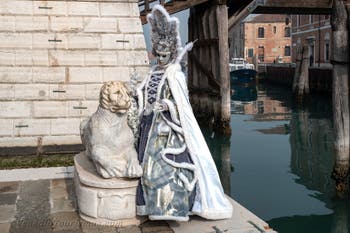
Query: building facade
[(265, 37), (54, 57), (314, 31)]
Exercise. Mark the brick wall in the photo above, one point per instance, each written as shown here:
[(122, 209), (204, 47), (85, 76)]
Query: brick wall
[(274, 41), (316, 32), (54, 57)]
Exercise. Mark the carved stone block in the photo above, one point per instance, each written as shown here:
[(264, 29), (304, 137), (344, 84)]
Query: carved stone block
[(104, 201)]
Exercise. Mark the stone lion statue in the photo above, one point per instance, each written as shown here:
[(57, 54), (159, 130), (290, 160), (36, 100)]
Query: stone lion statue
[(108, 139)]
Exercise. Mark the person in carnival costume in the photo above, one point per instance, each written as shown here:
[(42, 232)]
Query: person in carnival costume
[(179, 174)]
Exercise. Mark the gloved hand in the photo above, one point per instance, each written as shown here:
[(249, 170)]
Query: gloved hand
[(160, 106)]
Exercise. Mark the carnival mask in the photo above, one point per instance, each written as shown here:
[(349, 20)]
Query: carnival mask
[(165, 38), (163, 58)]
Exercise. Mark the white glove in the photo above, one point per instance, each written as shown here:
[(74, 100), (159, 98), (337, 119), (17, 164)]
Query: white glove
[(160, 106)]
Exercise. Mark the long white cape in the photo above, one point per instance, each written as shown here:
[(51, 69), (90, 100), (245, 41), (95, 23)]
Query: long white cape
[(211, 203)]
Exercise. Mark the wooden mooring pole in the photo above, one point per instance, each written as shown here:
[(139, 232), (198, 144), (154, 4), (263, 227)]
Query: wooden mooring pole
[(209, 79), (222, 21), (301, 76), (340, 58), (297, 67)]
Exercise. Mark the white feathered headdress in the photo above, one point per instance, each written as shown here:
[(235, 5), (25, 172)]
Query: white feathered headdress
[(165, 34)]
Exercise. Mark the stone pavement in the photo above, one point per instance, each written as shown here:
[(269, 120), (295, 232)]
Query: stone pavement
[(29, 204), (49, 206)]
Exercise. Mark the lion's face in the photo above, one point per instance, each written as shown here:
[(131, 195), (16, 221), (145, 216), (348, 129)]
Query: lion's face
[(115, 97)]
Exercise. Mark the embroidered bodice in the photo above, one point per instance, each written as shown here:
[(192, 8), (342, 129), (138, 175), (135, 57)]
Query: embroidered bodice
[(153, 85)]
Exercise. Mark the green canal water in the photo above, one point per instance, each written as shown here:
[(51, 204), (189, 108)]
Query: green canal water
[(279, 159)]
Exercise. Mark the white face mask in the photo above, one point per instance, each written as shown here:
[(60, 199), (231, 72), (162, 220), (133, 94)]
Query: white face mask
[(163, 58)]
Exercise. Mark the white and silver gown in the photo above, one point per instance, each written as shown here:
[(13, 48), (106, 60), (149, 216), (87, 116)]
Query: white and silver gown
[(180, 177)]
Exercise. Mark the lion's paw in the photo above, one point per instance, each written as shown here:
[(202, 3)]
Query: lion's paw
[(103, 172), (134, 170)]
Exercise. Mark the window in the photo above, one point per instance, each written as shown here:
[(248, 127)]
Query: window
[(287, 21), (326, 52), (287, 50), (274, 29), (287, 32), (261, 53), (250, 52), (311, 19), (261, 32), (260, 107)]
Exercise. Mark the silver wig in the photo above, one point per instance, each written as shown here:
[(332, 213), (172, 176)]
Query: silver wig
[(165, 35)]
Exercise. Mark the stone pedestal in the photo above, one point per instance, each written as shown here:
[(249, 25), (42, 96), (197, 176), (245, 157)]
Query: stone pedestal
[(104, 201)]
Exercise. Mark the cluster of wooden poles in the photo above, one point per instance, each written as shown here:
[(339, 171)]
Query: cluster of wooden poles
[(340, 93)]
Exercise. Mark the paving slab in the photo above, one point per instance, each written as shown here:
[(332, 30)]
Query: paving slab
[(65, 222), (156, 227), (8, 198), (33, 208), (9, 187), (129, 229), (87, 227), (5, 227), (7, 213), (62, 197), (242, 221)]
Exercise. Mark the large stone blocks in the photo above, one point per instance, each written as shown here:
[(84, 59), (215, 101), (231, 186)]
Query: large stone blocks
[(104, 201), (100, 25), (83, 8), (48, 74), (15, 40), (16, 7), (53, 56), (15, 109)]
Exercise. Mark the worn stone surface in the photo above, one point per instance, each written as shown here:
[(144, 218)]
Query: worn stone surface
[(242, 221), (62, 197), (7, 213), (61, 205), (8, 199), (5, 227), (129, 229), (33, 215), (87, 227), (65, 222), (155, 227), (8, 187), (33, 208)]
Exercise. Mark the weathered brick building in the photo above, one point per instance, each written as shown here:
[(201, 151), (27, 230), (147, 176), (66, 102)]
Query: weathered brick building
[(266, 36), (54, 57), (314, 31)]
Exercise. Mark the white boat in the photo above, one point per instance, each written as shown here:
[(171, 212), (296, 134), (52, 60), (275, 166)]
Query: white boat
[(242, 70)]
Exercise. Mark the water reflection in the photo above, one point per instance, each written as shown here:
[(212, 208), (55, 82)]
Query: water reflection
[(311, 140), (283, 158), (262, 106), (245, 92)]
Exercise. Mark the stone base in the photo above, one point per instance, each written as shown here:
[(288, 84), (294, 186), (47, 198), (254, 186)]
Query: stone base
[(104, 201)]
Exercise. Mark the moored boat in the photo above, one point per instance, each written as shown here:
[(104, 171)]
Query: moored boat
[(241, 70)]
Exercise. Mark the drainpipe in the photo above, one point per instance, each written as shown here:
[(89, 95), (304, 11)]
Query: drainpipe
[(319, 40)]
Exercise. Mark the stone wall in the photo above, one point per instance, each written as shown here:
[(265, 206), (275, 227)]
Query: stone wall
[(320, 79), (54, 57)]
